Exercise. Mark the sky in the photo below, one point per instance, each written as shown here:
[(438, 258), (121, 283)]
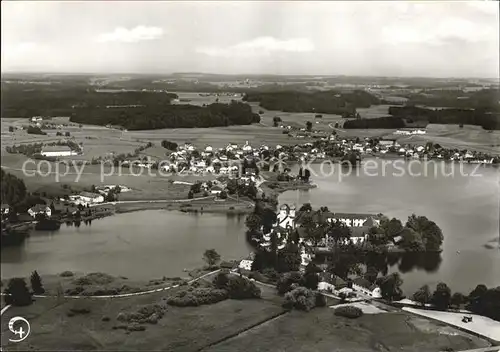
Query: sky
[(393, 38)]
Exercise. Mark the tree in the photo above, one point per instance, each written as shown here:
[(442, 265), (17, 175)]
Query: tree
[(336, 125), (457, 300), (307, 175), (67, 134), (371, 274), (311, 278), (36, 283), (253, 222), (390, 286), (52, 208), (286, 280), (211, 257), (273, 248), (222, 195), (306, 207), (190, 194), (276, 121), (485, 301), (442, 296), (232, 186), (423, 295), (11, 129), (309, 126), (17, 293), (288, 258)]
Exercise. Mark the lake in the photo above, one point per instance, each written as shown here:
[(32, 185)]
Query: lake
[(144, 244), (465, 207), (151, 244)]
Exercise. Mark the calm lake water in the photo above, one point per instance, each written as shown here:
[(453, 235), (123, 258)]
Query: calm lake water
[(465, 207), (150, 244)]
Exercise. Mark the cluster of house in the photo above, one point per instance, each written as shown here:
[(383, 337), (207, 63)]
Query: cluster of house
[(410, 132), (384, 146), (288, 218), (188, 159)]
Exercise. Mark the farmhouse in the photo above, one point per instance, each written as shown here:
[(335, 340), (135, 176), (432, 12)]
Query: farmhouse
[(39, 209), (36, 119), (59, 150)]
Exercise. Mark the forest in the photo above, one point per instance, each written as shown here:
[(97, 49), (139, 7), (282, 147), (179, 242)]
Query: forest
[(168, 116), (327, 102), (26, 101)]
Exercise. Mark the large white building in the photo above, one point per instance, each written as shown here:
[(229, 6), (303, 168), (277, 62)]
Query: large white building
[(57, 150), (91, 198)]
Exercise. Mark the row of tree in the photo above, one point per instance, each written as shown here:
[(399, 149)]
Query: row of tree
[(481, 300)]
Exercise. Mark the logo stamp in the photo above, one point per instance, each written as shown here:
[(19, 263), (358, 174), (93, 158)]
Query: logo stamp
[(19, 327)]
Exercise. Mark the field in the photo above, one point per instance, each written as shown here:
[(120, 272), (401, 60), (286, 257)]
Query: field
[(321, 330), (181, 329), (230, 325)]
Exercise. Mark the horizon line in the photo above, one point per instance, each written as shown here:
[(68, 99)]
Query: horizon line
[(84, 73)]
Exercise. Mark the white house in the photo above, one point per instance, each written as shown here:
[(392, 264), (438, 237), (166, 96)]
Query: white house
[(208, 149), (245, 264), (247, 147), (58, 150), (36, 119), (216, 190), (91, 198), (40, 209), (5, 209)]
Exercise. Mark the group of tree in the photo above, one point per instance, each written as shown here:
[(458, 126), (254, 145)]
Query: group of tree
[(484, 99), (329, 102), (35, 130), (235, 187), (112, 194), (67, 134), (481, 300), (17, 292), (169, 145), (419, 234), (237, 287), (379, 122), (489, 120), (304, 174), (146, 117)]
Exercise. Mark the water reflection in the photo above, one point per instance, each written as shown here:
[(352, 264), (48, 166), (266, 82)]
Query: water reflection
[(404, 262)]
